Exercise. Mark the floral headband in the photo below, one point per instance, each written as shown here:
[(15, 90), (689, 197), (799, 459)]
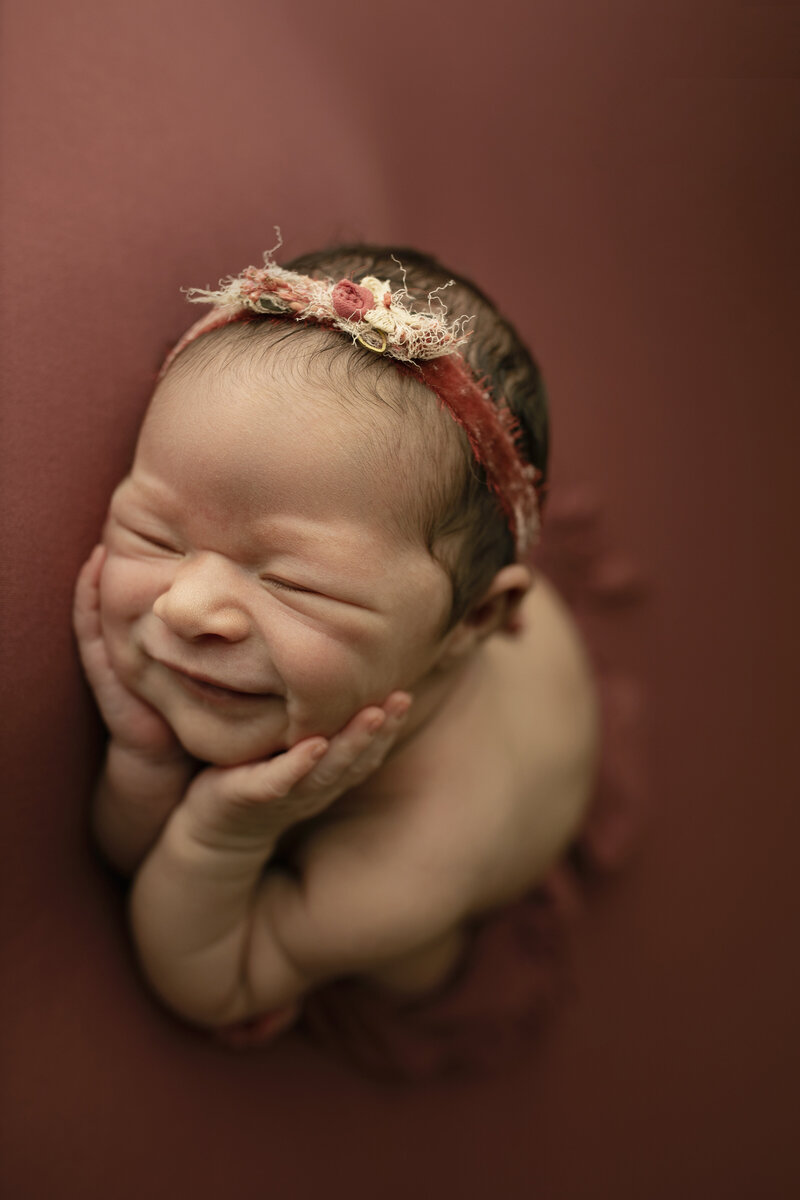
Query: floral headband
[(425, 346)]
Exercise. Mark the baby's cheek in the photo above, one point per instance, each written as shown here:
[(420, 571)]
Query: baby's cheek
[(129, 588), (328, 681)]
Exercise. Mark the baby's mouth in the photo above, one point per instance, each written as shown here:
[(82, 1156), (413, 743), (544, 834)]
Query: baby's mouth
[(208, 689)]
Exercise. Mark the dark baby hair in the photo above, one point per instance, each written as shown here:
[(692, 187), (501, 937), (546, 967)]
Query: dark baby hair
[(464, 526)]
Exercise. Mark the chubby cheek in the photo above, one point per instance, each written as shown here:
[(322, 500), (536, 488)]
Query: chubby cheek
[(328, 681), (128, 590)]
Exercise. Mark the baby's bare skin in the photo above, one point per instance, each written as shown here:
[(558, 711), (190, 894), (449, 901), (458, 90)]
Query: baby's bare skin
[(294, 820), (492, 820)]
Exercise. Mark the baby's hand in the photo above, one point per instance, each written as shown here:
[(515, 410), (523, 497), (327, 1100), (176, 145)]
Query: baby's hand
[(133, 724), (247, 807)]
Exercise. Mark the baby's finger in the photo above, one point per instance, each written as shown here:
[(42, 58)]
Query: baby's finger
[(373, 755), (397, 704), (347, 746), (275, 777), (363, 743), (92, 569), (86, 602)]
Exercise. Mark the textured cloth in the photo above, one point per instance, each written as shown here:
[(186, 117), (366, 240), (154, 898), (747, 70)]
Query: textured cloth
[(515, 970)]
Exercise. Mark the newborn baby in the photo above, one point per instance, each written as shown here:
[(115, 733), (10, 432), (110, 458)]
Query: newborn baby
[(343, 717)]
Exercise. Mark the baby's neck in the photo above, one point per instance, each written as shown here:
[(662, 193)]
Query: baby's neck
[(440, 691)]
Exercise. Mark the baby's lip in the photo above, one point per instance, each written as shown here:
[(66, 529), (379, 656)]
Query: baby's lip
[(211, 681)]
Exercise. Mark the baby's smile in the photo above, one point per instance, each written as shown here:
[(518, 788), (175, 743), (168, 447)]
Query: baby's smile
[(213, 690), (257, 589)]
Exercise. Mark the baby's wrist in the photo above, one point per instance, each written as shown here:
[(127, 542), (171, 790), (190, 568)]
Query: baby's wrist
[(210, 852), (217, 818)]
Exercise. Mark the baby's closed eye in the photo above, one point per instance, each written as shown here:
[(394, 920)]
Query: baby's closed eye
[(140, 539), (307, 591), (283, 585), (153, 540)]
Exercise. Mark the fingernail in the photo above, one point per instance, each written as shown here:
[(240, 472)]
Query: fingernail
[(402, 706), (319, 750), (374, 723)]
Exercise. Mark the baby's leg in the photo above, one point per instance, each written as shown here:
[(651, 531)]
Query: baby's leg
[(413, 975), (422, 970)]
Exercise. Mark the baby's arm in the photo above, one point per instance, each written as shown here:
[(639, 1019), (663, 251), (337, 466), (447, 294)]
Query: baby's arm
[(146, 771), (220, 939)]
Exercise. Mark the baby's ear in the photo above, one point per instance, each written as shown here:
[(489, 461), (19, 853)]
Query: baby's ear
[(497, 609)]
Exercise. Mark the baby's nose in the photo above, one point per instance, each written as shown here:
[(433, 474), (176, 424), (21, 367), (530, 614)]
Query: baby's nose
[(202, 601)]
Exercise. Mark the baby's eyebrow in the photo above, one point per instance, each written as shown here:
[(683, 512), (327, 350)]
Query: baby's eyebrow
[(318, 561), (139, 490), (311, 548), (317, 539)]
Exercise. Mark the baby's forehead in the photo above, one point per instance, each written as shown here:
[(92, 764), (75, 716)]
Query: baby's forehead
[(357, 427), (329, 364), (393, 424)]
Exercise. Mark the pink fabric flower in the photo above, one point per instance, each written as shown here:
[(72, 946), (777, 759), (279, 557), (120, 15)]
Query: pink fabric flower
[(351, 301)]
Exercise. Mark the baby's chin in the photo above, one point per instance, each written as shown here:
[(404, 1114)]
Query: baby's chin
[(217, 754), (221, 747), (227, 747), (227, 739)]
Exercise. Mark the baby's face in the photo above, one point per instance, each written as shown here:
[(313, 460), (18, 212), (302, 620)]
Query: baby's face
[(256, 589)]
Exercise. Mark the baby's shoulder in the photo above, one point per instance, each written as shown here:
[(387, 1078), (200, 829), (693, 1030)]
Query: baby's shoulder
[(501, 786), (547, 738), (486, 798)]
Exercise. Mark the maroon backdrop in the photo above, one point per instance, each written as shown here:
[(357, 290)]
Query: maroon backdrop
[(621, 177)]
